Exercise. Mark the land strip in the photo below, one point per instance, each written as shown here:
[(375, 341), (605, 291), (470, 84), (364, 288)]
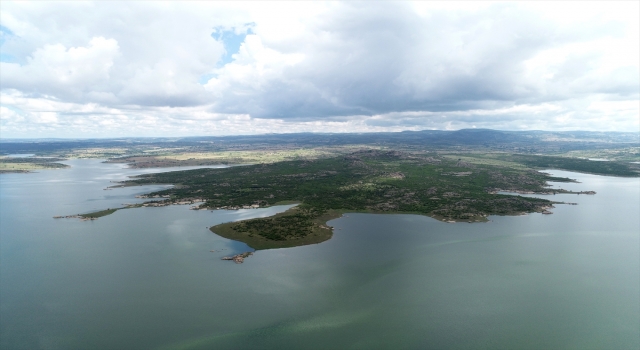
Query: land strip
[(625, 154), (608, 168), (28, 164), (259, 156)]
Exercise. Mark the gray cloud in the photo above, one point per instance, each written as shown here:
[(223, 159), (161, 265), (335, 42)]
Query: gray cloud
[(320, 66), (383, 57)]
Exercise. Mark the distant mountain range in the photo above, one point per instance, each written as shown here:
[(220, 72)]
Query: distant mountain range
[(513, 141)]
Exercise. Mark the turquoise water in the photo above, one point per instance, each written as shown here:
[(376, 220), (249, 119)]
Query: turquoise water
[(145, 278)]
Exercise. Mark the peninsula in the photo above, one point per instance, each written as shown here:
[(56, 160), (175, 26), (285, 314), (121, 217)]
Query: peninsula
[(374, 181), (452, 176)]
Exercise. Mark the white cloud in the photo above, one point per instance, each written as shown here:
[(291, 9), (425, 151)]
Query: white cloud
[(57, 70), (135, 68)]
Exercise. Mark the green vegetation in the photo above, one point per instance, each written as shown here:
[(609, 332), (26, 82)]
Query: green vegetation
[(366, 181), (95, 153), (627, 154), (170, 159), (572, 164), (610, 168), (27, 164), (98, 214), (295, 227)]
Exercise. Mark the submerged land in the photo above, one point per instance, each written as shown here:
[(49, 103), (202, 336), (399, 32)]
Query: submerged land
[(458, 176)]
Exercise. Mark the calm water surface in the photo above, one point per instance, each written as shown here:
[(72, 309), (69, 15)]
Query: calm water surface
[(145, 278)]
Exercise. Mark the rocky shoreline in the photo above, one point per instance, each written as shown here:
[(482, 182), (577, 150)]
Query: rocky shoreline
[(558, 191), (238, 258), (82, 218)]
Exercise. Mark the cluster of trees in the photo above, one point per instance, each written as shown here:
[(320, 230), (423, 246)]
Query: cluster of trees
[(279, 228)]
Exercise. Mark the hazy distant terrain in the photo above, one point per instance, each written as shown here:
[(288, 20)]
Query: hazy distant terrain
[(270, 148), (548, 142)]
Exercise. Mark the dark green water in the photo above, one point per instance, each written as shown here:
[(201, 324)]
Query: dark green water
[(144, 278)]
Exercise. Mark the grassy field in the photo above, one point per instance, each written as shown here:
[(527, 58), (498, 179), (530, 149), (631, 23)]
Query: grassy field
[(21, 165), (628, 154), (176, 159), (8, 167)]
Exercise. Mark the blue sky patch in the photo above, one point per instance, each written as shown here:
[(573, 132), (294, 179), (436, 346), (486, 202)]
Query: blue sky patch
[(231, 40), (4, 34), (206, 77)]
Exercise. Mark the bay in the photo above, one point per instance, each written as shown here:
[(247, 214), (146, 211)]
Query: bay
[(145, 278)]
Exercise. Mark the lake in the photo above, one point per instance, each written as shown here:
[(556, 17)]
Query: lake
[(145, 278)]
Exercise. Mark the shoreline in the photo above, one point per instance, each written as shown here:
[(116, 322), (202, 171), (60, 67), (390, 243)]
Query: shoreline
[(589, 173), (308, 226), (257, 243), (30, 171), (321, 231)]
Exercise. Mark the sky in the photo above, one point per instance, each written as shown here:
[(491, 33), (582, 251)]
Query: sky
[(115, 69)]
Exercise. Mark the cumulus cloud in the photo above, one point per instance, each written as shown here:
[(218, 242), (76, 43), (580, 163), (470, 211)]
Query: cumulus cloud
[(384, 57), (129, 53), (169, 68), (56, 70)]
